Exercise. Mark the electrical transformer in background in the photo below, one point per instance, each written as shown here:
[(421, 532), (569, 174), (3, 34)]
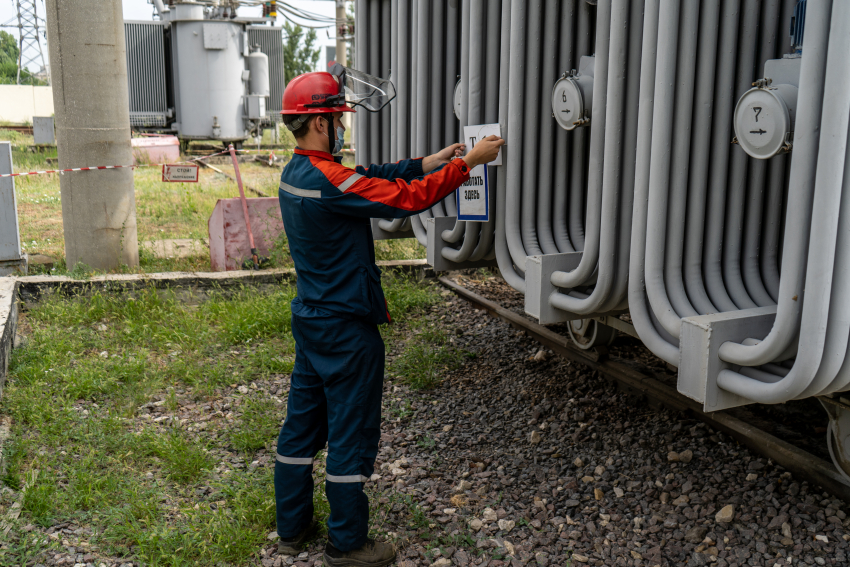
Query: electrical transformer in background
[(203, 74)]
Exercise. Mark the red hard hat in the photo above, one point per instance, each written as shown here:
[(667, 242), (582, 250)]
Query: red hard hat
[(314, 93)]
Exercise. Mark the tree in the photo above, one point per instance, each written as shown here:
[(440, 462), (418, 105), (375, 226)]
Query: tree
[(300, 54), (8, 58), (8, 48)]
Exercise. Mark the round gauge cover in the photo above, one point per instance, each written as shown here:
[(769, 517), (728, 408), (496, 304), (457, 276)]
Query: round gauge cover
[(567, 103), (762, 122)]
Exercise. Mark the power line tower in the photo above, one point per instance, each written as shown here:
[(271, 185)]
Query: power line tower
[(30, 28)]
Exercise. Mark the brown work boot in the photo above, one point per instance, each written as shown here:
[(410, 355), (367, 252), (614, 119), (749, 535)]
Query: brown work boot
[(294, 545), (372, 554)]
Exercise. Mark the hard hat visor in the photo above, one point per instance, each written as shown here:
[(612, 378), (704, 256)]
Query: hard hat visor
[(362, 89)]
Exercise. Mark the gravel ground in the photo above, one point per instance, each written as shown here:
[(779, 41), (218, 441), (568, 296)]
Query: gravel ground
[(522, 458)]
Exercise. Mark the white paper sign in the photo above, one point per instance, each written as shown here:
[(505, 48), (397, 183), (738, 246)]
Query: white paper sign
[(473, 197), (472, 134), (180, 173)]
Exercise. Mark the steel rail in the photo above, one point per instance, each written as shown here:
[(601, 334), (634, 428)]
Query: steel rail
[(800, 463)]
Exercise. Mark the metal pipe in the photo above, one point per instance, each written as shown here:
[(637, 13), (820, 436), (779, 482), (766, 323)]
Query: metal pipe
[(415, 73), (638, 307), (399, 53), (386, 50), (437, 76), (590, 256), (394, 49), (615, 102), (161, 8), (701, 146), (676, 206), (750, 264), (361, 16), (659, 169), (503, 255), (423, 56), (471, 112), (566, 62), (459, 229), (531, 140), (375, 132), (777, 178), (452, 130), (839, 318), (490, 116), (798, 220), (619, 296), (417, 223), (776, 184), (724, 103), (546, 132), (513, 149), (737, 181), (825, 206), (452, 70), (403, 86), (578, 157)]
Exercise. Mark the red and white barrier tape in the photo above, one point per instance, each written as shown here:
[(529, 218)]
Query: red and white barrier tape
[(23, 173)]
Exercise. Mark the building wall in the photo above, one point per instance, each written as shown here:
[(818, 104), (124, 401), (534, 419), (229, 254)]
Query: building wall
[(19, 103)]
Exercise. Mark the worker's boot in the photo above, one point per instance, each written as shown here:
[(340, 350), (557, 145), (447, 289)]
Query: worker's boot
[(294, 545), (372, 554)]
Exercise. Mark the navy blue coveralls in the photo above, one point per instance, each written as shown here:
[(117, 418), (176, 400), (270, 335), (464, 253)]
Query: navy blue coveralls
[(337, 383)]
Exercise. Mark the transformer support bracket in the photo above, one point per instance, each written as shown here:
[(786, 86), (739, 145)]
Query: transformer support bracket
[(435, 227), (699, 361), (539, 288)]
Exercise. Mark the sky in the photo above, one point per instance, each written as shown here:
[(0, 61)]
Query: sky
[(142, 10)]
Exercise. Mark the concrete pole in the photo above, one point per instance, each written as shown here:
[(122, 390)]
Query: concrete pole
[(342, 54), (91, 102)]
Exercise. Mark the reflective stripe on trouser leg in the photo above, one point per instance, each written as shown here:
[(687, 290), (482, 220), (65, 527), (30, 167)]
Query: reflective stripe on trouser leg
[(302, 436), (346, 479), (349, 358)]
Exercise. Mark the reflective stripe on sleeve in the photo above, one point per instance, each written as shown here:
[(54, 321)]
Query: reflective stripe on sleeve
[(347, 479), (311, 193), (294, 460), (349, 182)]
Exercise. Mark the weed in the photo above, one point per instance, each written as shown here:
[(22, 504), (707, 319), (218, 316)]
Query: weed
[(26, 549), (426, 357), (39, 500), (426, 442), (407, 298), (260, 423), (81, 271), (184, 460)]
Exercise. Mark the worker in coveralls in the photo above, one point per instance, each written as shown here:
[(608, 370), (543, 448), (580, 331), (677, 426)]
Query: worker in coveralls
[(337, 383)]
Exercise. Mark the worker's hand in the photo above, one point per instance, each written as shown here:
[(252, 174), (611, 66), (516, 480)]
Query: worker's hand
[(442, 157), (484, 151)]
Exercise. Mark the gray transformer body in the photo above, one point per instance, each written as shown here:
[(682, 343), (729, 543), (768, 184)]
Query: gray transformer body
[(200, 77), (208, 80)]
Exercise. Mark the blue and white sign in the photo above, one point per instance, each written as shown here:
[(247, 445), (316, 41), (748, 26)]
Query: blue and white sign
[(473, 197)]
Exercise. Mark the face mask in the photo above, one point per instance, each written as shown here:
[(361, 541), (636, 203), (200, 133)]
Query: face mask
[(340, 139)]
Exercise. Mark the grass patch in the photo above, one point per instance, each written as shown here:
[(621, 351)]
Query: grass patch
[(427, 356), (151, 422), (259, 425)]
